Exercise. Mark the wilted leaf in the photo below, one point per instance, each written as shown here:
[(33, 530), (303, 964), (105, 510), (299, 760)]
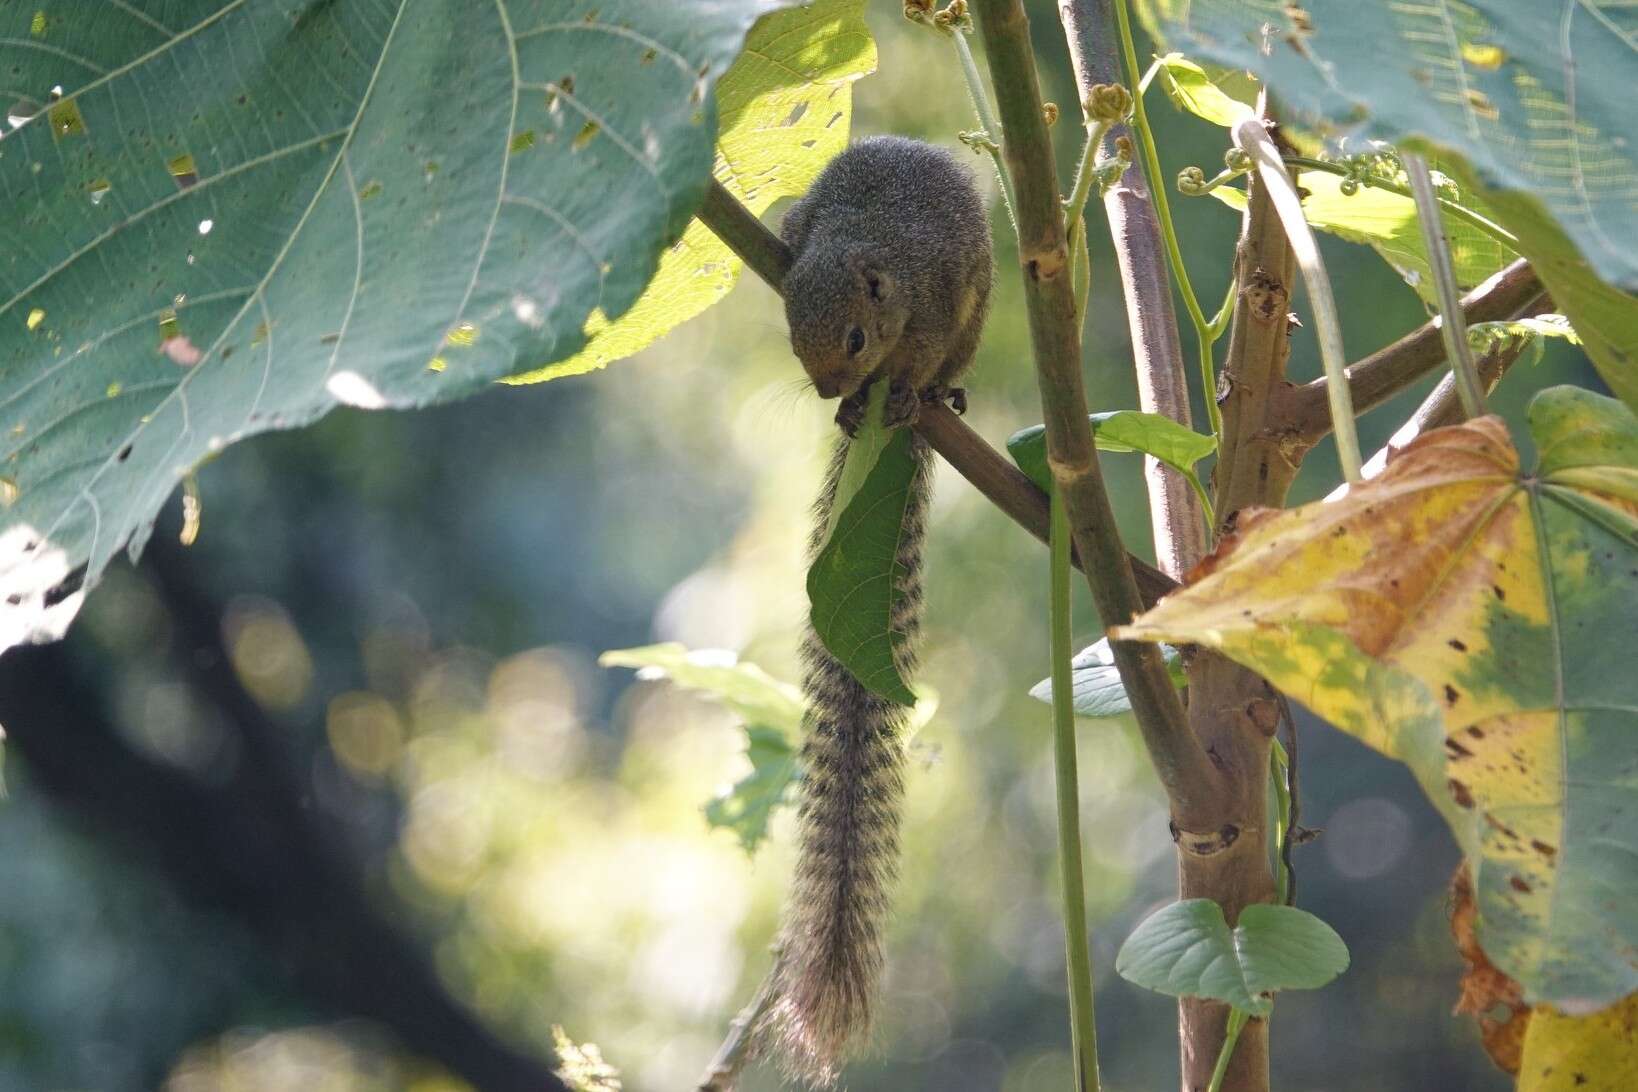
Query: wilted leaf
[(1595, 1053), (332, 201), (1474, 622), (743, 687), (1095, 682), (784, 110), (747, 806), (1186, 949)]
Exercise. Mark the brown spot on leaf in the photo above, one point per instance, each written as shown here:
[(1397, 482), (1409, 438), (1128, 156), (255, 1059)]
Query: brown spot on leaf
[(1501, 595), (1543, 848), (1457, 751), (1463, 794), (1456, 643), (1452, 695), (1518, 884)]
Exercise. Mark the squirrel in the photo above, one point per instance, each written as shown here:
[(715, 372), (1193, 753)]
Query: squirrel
[(890, 281)]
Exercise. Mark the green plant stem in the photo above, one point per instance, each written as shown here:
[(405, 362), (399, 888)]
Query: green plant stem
[(1083, 1029), (1190, 781), (1279, 772), (986, 116), (1075, 214), (1452, 323), (1174, 253), (1236, 1021), (1461, 212)]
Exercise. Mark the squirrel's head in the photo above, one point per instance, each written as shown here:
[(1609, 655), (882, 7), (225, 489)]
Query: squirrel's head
[(845, 315)]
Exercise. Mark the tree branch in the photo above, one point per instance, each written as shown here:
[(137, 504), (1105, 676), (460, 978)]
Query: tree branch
[(1181, 763), (1163, 387), (986, 469), (1442, 406), (1386, 372)]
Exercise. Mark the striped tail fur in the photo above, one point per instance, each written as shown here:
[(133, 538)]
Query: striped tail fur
[(830, 947)]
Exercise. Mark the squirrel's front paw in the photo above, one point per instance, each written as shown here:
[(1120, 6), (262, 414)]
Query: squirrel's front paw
[(956, 396), (903, 405), (851, 412)]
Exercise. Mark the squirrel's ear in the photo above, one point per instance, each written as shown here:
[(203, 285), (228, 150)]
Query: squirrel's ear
[(876, 280)]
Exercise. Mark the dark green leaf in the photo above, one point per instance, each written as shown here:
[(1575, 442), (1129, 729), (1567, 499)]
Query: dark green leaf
[(238, 215), (853, 585), (1186, 949)]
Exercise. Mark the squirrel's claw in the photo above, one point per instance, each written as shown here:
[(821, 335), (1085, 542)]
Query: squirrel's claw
[(903, 405), (850, 413), (956, 396)]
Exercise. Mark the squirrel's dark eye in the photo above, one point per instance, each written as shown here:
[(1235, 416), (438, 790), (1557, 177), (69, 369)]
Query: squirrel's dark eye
[(855, 341)]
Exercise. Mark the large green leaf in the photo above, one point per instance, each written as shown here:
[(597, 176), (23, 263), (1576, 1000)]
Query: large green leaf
[(1534, 97), (1186, 949), (1474, 621), (784, 110), (235, 215)]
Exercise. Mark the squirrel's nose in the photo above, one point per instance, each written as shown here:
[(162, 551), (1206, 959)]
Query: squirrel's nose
[(827, 388)]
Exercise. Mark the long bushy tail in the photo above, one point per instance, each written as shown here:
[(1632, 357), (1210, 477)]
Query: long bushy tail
[(830, 948)]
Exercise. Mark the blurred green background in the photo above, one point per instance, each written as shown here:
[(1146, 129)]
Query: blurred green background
[(415, 603)]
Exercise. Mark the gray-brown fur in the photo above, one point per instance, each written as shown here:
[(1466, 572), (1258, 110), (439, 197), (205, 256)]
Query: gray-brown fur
[(891, 239), (893, 235)]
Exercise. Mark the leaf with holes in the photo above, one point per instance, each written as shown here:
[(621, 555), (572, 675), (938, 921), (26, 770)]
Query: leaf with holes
[(1186, 949), (228, 217), (1564, 1053), (785, 108), (1474, 621), (747, 806), (1535, 99)]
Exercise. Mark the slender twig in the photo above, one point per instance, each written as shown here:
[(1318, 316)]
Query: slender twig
[(1252, 138), (1442, 407), (1375, 379), (736, 1048), (736, 225), (989, 472), (1451, 325), (1174, 252), (1179, 760), (1177, 521), (1078, 957)]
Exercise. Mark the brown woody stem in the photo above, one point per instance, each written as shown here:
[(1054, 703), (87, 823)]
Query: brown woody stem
[(1182, 765), (1174, 512), (1386, 372)]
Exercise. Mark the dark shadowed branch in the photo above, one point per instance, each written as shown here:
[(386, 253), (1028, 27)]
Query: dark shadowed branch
[(244, 841)]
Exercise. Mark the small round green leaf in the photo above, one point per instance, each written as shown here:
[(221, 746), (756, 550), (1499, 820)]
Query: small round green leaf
[(1186, 949)]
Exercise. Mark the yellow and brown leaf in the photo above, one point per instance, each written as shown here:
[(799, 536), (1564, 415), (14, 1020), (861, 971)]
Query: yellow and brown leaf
[(1480, 624)]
